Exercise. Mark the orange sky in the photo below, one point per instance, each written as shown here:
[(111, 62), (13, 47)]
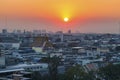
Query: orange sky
[(56, 10)]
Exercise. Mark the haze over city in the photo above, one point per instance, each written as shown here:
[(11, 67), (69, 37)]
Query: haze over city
[(59, 39), (91, 16)]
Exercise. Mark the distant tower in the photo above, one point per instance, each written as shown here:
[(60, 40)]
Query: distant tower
[(62, 37), (4, 31), (24, 31), (69, 31)]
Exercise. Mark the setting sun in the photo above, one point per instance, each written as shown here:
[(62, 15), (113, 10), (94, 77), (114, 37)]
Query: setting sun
[(75, 14), (66, 19)]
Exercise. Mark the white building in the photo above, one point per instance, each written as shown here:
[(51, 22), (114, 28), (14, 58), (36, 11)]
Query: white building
[(9, 42), (31, 67)]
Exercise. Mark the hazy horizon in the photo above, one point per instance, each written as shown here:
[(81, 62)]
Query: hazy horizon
[(90, 26)]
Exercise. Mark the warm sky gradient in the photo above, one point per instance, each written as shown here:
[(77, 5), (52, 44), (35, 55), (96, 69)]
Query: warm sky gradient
[(50, 14)]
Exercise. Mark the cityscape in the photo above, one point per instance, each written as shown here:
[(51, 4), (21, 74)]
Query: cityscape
[(47, 56), (59, 40)]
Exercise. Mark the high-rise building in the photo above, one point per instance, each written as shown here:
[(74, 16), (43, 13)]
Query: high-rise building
[(69, 31), (4, 31)]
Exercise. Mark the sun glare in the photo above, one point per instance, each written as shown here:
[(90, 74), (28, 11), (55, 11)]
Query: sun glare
[(66, 19)]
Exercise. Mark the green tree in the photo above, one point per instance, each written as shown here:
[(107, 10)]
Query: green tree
[(77, 73), (36, 76), (117, 49), (53, 65), (110, 72)]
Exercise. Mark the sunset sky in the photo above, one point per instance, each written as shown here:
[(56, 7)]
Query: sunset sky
[(84, 15)]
